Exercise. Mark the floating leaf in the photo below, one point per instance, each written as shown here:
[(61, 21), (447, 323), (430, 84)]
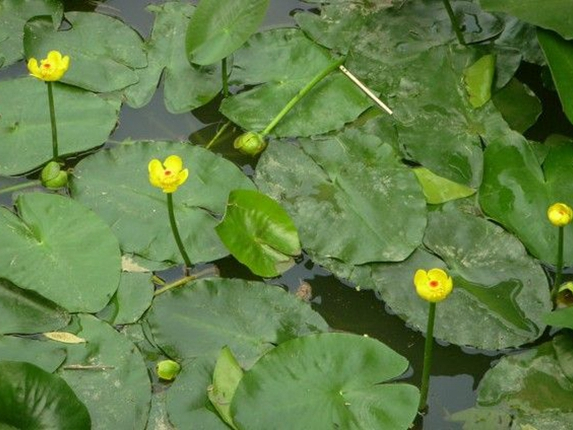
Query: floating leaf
[(219, 27), (226, 378), (336, 381), (440, 190), (61, 250), (560, 318), (84, 122), (103, 50), (259, 233), (248, 317), (46, 355), (558, 53), (25, 311), (279, 63), (186, 86), (519, 106), (343, 193), (13, 16), (127, 201), (64, 337), (33, 398), (478, 79), (517, 191), (109, 375), (554, 15)]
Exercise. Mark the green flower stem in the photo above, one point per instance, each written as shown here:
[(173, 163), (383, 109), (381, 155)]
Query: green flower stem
[(21, 186), (559, 267), (185, 280), (225, 77), (319, 77), (454, 22), (53, 121), (427, 357), (219, 133), (176, 231)]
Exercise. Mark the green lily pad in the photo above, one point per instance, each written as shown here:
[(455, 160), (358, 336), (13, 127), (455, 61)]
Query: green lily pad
[(226, 378), (187, 86), (554, 15), (109, 375), (517, 191), (530, 387), (33, 398), (336, 381), (219, 27), (279, 63), (46, 355), (137, 211), (558, 53), (158, 418), (343, 193), (13, 16), (478, 79), (259, 233), (84, 121), (500, 293), (560, 318), (440, 190), (248, 317), (103, 50), (61, 250), (25, 311), (518, 105), (132, 298)]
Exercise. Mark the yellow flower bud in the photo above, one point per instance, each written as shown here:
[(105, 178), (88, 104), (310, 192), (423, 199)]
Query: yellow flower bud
[(168, 175), (434, 285), (559, 214), (168, 369), (250, 143), (53, 176), (51, 68)]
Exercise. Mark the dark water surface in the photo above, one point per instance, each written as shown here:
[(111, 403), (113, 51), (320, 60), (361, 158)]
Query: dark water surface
[(456, 371)]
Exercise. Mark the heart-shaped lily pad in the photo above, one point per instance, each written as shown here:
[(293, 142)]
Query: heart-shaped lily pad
[(61, 250), (335, 381)]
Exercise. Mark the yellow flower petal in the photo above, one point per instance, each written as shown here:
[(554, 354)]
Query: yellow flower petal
[(173, 163), (559, 214), (434, 285)]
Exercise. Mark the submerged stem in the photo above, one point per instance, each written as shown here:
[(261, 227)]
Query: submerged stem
[(219, 133), (454, 22), (183, 281), (559, 267), (319, 77), (53, 121), (225, 77), (427, 357), (176, 232)]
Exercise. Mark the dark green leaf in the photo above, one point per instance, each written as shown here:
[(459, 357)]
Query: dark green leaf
[(259, 233), (31, 398), (518, 105), (219, 27)]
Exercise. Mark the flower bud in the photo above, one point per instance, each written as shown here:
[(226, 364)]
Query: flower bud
[(250, 143), (168, 370), (559, 214), (53, 176)]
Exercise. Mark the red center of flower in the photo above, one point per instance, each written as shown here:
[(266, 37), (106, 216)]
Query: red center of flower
[(167, 172), (434, 283), (47, 65)]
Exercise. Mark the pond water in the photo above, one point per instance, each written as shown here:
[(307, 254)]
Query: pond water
[(456, 371)]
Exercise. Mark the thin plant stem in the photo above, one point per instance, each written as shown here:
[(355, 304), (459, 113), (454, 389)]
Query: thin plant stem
[(559, 267), (53, 121), (454, 22), (319, 77), (225, 77), (176, 231), (21, 186), (183, 281), (427, 357), (219, 133)]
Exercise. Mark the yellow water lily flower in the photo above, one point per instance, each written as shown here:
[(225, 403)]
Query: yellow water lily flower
[(51, 68), (168, 175), (559, 214), (434, 285)]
